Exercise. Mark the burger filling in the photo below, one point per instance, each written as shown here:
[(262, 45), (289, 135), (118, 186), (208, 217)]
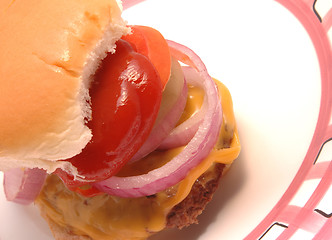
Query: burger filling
[(109, 217)]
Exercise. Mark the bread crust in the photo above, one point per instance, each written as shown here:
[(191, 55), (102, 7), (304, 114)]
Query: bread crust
[(49, 49), (61, 233)]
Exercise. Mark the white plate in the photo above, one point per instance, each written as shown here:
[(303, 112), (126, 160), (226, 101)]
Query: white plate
[(267, 58)]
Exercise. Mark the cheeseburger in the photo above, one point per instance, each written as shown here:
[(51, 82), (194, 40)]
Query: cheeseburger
[(111, 130)]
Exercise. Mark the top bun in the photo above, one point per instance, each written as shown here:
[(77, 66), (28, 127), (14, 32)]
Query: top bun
[(49, 50)]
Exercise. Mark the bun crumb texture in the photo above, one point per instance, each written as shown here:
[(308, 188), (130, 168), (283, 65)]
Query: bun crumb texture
[(49, 51)]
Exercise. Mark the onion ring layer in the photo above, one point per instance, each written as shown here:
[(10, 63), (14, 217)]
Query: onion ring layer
[(193, 153), (23, 185)]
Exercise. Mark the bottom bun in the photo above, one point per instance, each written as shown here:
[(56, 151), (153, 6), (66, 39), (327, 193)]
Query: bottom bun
[(181, 215), (61, 233)]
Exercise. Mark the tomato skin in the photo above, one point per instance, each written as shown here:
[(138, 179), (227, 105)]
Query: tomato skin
[(151, 43), (125, 99)]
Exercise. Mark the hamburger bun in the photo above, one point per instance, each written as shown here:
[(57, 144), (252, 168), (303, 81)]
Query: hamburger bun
[(49, 50)]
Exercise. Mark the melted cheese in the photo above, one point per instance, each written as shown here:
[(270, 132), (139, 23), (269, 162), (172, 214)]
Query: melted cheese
[(111, 218)]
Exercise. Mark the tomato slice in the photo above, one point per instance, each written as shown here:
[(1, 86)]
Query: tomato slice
[(151, 43), (125, 99), (87, 190)]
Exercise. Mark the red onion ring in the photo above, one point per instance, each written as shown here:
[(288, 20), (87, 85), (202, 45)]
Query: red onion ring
[(196, 150), (129, 3), (161, 130), (184, 132), (192, 76), (23, 185)]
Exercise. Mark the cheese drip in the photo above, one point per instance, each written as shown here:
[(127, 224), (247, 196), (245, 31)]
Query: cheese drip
[(113, 218)]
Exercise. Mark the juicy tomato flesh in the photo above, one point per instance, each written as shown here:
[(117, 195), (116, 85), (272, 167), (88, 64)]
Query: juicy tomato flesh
[(125, 98), (151, 43)]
